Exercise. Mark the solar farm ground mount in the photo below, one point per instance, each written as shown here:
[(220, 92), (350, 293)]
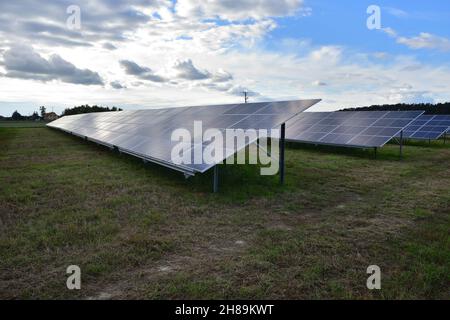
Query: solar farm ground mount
[(357, 129), (147, 133), (428, 127)]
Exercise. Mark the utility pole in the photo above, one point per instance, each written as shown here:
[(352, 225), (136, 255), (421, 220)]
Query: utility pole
[(245, 96)]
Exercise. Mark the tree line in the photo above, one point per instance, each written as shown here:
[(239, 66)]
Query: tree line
[(35, 116), (439, 108), (429, 108), (16, 116), (88, 109)]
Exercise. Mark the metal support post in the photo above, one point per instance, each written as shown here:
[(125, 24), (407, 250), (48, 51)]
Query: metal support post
[(216, 179), (282, 146), (401, 144)]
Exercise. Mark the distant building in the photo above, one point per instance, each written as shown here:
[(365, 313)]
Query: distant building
[(50, 116)]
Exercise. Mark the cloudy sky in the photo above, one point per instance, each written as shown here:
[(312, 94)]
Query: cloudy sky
[(155, 53)]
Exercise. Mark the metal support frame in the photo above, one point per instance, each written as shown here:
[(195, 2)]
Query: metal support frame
[(216, 179), (401, 145), (375, 149), (445, 137), (282, 147), (265, 150)]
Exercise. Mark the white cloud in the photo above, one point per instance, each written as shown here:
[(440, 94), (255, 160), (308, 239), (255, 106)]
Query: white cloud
[(390, 32), (45, 21), (426, 41), (356, 81), (116, 85), (109, 46), (183, 34), (399, 13), (176, 59), (318, 83), (186, 70), (380, 55), (23, 62), (181, 74), (326, 54), (237, 10), (143, 73), (423, 41), (222, 76), (407, 94), (239, 91), (220, 80)]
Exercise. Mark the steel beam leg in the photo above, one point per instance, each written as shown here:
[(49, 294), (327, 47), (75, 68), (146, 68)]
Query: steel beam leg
[(401, 145), (282, 147), (216, 179)]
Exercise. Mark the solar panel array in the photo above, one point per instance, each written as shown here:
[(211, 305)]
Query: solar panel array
[(428, 127), (147, 133), (349, 128)]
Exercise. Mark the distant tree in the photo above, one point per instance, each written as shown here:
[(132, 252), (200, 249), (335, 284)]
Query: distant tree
[(34, 116), (439, 108), (43, 111), (16, 116), (88, 109)]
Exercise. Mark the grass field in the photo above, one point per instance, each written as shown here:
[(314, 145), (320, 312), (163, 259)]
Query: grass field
[(22, 124), (142, 231)]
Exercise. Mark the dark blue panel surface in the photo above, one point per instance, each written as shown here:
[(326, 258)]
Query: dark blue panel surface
[(430, 127), (147, 133), (356, 128)]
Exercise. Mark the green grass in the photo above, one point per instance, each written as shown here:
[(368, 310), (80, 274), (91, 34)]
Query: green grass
[(142, 231), (22, 124)]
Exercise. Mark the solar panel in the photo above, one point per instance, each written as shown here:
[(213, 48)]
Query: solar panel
[(352, 129), (147, 133), (429, 127)]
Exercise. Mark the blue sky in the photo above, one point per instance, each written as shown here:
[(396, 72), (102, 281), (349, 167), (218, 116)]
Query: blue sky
[(343, 23), (157, 53)]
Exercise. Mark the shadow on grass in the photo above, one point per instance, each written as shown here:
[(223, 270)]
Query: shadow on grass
[(384, 153), (239, 183), (438, 144), (236, 182), (391, 151)]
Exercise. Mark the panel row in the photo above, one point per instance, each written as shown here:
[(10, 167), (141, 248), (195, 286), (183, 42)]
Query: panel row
[(428, 127), (358, 128), (148, 133)]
